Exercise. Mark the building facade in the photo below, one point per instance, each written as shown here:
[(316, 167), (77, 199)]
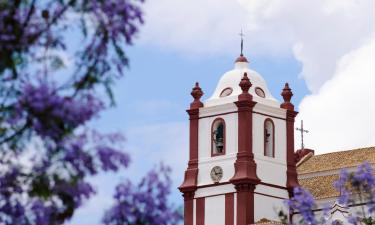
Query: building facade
[(241, 162)]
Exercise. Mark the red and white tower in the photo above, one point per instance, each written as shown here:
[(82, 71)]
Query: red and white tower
[(241, 165)]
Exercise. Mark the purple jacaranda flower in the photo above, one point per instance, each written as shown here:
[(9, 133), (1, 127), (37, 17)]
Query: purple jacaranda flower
[(112, 159), (145, 203), (53, 115), (351, 185), (303, 203), (54, 109)]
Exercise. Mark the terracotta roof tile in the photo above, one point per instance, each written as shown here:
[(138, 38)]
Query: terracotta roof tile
[(337, 160), (321, 187), (265, 221)]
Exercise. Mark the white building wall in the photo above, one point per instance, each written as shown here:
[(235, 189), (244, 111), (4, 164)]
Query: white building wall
[(267, 207), (194, 212), (214, 190), (226, 162), (269, 169), (273, 191), (215, 210)]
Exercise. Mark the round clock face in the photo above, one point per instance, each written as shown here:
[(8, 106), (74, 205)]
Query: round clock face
[(216, 174)]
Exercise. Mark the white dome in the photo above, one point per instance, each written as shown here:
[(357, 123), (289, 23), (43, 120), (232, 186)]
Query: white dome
[(229, 83)]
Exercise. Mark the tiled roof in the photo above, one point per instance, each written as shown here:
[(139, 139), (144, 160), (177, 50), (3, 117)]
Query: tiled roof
[(265, 221), (337, 160), (321, 186)]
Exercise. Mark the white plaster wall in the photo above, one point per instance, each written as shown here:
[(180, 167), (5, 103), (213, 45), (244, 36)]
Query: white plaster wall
[(194, 212), (269, 169), (226, 162), (263, 189), (280, 137), (337, 215), (214, 190), (267, 207), (215, 210)]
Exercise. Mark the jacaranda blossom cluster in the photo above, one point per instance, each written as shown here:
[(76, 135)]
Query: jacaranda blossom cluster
[(48, 148), (145, 203), (357, 190)]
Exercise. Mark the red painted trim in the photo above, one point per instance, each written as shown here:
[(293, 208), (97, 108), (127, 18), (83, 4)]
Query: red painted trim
[(291, 173), (225, 183), (229, 209), (271, 196), (245, 204), (191, 173), (213, 185), (241, 58), (189, 185), (221, 114), (273, 137), (245, 166), (206, 196), (212, 137), (188, 209), (273, 185), (200, 205), (292, 179), (245, 178)]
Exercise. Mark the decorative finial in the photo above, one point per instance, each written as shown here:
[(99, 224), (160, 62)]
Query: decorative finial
[(197, 93), (287, 96), (245, 84), (241, 58), (242, 35)]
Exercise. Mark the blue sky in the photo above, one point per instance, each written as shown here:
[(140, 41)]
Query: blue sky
[(153, 97), (323, 49)]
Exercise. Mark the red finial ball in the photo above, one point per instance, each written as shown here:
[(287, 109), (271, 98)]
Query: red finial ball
[(245, 83), (197, 93), (287, 96), (241, 58)]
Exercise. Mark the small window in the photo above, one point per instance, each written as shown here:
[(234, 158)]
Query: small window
[(269, 138), (218, 137), (226, 92), (259, 91)]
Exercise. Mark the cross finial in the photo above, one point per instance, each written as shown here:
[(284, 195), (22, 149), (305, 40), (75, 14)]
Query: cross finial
[(302, 131), (242, 35)]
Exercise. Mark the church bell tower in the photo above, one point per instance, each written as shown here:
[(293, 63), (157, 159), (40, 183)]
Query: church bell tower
[(241, 163)]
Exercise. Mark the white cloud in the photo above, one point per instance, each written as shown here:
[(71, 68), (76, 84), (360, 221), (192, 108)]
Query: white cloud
[(317, 32), (341, 115), (331, 39)]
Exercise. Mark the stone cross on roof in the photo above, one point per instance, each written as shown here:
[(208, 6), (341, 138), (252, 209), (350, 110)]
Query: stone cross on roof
[(302, 131)]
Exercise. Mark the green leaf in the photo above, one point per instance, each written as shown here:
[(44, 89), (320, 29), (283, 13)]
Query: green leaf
[(57, 63)]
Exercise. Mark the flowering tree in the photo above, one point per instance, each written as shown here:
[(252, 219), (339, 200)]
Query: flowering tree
[(356, 188), (47, 151), (144, 204)]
